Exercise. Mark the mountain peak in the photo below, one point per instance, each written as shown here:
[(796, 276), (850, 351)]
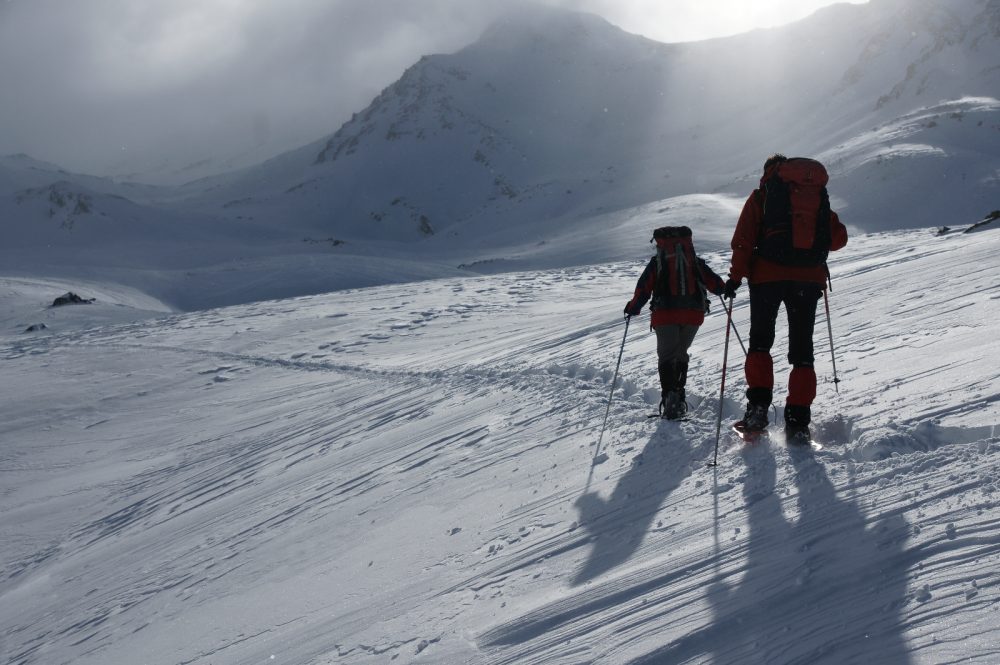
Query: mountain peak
[(530, 27)]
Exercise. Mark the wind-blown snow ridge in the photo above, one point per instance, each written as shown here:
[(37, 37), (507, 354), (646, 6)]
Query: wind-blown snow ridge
[(404, 474)]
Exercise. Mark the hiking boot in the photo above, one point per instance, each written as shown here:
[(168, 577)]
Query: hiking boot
[(797, 435), (797, 424), (754, 420), (673, 405)]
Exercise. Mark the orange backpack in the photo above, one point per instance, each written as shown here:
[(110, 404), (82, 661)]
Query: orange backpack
[(795, 230)]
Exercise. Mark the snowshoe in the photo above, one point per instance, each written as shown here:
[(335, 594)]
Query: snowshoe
[(747, 434), (754, 423)]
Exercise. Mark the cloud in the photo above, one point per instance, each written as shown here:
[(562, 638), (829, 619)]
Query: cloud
[(681, 20), (105, 85), (92, 81)]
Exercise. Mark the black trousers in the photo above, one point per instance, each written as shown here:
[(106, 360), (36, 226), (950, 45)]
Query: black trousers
[(800, 300)]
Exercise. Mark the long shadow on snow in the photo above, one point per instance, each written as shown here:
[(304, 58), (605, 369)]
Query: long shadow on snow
[(822, 589), (618, 525)]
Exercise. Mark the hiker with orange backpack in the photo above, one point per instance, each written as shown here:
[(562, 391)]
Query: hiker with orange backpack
[(676, 279), (780, 245)]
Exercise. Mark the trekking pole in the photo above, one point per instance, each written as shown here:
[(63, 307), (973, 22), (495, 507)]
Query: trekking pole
[(611, 396), (735, 330), (833, 355), (722, 389)]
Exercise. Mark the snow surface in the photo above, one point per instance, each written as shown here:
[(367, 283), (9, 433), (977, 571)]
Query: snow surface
[(199, 467), (404, 474)]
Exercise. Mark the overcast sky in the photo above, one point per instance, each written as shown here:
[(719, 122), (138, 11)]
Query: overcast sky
[(101, 86)]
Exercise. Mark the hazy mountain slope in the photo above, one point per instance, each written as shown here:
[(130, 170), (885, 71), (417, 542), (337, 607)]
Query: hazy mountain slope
[(556, 115), (87, 235), (21, 172), (922, 168), (554, 128)]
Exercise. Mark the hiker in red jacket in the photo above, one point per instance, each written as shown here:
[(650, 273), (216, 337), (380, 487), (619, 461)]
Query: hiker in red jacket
[(780, 246), (676, 279)]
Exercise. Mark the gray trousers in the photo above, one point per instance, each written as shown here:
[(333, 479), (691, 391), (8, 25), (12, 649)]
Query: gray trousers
[(673, 342)]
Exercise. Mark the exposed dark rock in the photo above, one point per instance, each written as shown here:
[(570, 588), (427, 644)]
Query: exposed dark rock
[(71, 298)]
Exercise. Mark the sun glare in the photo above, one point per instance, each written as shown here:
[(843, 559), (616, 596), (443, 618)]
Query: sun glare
[(681, 21)]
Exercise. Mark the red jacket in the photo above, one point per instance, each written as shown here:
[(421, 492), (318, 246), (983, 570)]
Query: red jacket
[(756, 269), (674, 315)]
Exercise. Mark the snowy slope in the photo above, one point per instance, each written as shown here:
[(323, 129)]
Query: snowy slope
[(410, 472), (404, 474), (29, 302), (92, 233)]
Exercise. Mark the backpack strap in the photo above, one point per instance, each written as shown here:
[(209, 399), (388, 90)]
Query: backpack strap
[(677, 267)]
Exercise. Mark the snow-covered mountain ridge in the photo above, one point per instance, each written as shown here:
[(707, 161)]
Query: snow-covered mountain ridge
[(561, 115), (551, 125), (405, 475)]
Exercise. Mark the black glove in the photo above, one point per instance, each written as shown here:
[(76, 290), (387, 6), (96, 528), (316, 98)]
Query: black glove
[(731, 286), (632, 310)]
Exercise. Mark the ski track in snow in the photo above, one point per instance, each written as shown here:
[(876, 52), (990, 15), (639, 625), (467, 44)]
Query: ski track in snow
[(404, 475)]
